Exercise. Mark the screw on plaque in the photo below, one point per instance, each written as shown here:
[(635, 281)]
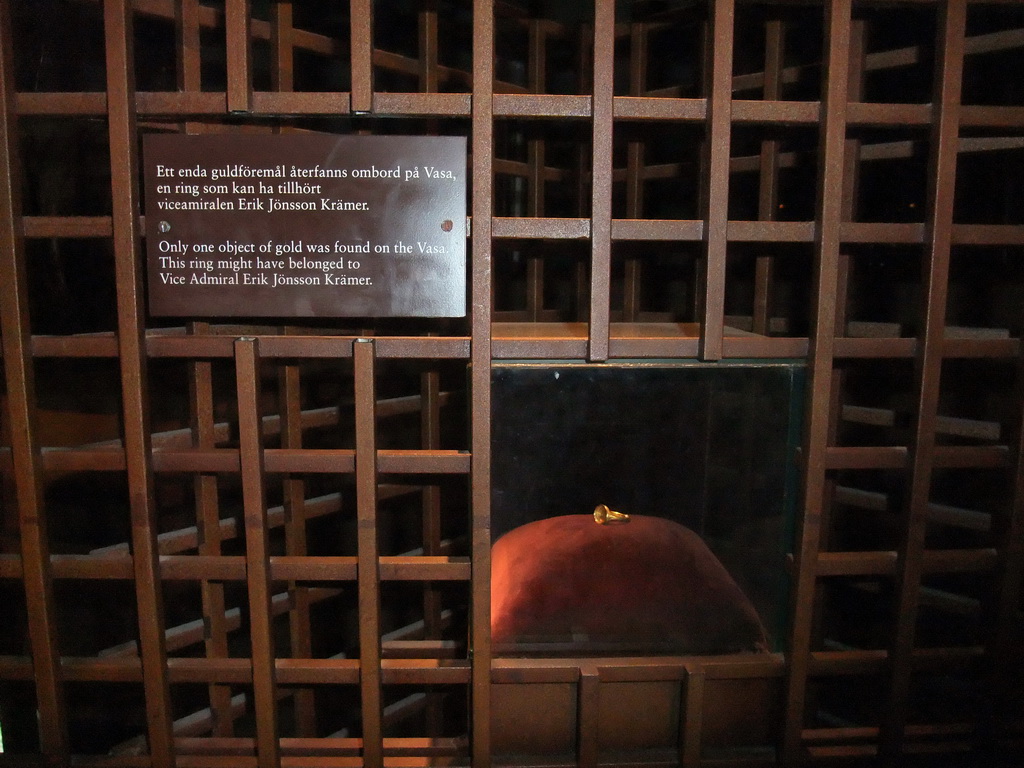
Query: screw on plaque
[(447, 225), (163, 226)]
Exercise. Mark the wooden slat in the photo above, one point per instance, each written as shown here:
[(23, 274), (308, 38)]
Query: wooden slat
[(124, 158), (661, 229), (634, 178), (361, 47), (257, 555), (27, 491), (541, 227), (601, 176), (368, 565), (541, 105), (945, 130), (238, 15), (204, 435), (692, 718), (716, 169), (536, 171), (429, 70), (588, 726), (482, 141), (774, 111), (431, 506), (67, 226), (876, 114), (422, 104), (826, 279), (294, 503), (768, 167), (189, 46), (652, 108), (282, 46)]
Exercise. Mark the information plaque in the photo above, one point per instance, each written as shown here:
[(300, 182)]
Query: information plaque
[(306, 225)]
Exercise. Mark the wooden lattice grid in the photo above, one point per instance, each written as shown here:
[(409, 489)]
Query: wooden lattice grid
[(680, 180)]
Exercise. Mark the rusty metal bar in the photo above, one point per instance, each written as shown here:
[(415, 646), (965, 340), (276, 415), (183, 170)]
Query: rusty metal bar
[(257, 554), (201, 403), (361, 46), (27, 492), (601, 180), (825, 280), (716, 179), (482, 147), (369, 559), (945, 131), (238, 28), (124, 154)]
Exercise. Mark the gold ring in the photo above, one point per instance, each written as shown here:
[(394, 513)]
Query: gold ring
[(605, 516)]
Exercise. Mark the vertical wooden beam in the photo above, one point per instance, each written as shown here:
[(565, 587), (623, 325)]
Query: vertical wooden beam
[(294, 498), (635, 171), (433, 604), (1004, 642), (238, 23), (482, 126), (851, 178), (588, 712), (189, 59), (124, 157), (16, 337), (703, 187), (536, 161), (585, 67), (368, 553), (822, 344), (601, 180), (430, 439), (768, 193), (282, 43), (692, 716), (938, 227), (257, 550), (428, 34), (250, 427), (361, 43), (201, 403), (716, 213)]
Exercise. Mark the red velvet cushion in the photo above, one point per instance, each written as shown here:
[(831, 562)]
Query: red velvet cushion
[(649, 584)]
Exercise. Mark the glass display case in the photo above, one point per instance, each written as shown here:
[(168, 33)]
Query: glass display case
[(699, 456)]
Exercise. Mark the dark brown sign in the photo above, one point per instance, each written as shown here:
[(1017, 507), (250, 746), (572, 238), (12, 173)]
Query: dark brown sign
[(309, 225)]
